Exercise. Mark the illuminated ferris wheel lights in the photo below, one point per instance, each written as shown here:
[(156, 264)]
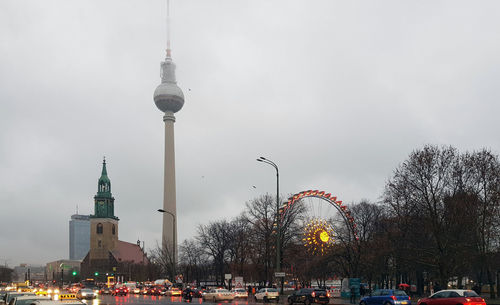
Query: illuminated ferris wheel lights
[(324, 237)]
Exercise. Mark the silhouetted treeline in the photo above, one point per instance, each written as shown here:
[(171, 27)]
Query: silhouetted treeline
[(438, 220)]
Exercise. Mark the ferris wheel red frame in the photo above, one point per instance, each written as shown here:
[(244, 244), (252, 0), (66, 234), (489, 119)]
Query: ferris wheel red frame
[(343, 210)]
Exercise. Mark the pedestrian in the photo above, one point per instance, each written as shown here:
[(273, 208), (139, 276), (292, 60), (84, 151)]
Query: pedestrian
[(437, 287), (362, 291), (353, 295), (477, 289)]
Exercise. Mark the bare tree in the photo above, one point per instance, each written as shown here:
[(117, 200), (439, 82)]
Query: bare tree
[(193, 261), (484, 182), (216, 241), (417, 191), (163, 259), (260, 214)]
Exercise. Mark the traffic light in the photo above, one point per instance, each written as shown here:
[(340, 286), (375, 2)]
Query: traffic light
[(96, 273), (74, 273)]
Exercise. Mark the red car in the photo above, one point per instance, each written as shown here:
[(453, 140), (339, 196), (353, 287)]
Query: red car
[(120, 291), (453, 297)]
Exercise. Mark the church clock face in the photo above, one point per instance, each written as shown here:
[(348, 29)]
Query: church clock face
[(100, 208)]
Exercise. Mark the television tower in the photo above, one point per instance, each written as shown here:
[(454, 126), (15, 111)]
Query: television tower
[(169, 98)]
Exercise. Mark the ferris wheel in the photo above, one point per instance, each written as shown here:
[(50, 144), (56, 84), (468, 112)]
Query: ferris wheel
[(325, 221)]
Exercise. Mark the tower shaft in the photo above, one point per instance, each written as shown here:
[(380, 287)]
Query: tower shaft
[(169, 232)]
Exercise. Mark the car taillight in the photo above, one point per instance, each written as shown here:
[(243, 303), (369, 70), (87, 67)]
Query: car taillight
[(328, 294), (394, 297), (313, 294), (409, 298)]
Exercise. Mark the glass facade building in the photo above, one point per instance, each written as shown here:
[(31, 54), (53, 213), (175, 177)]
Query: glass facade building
[(79, 236)]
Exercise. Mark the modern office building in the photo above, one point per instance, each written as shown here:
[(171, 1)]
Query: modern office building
[(79, 236)]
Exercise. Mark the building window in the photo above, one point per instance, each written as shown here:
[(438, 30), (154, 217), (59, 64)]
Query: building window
[(99, 243), (99, 228), (113, 230)]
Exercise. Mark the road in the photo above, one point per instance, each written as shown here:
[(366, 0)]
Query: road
[(133, 299)]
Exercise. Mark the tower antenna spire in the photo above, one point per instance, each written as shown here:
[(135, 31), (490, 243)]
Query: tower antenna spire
[(169, 50)]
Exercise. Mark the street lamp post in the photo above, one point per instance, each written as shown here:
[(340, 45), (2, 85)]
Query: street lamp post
[(62, 274), (278, 220), (173, 241)]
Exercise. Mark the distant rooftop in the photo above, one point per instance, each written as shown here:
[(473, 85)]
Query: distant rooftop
[(80, 217)]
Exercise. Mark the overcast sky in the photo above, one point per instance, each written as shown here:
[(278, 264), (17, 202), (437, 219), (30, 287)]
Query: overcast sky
[(337, 93)]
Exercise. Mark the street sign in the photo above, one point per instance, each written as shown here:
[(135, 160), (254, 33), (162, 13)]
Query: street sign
[(279, 274), (227, 276), (238, 282)]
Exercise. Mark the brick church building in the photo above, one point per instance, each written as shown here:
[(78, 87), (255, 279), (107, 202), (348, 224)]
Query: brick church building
[(109, 256)]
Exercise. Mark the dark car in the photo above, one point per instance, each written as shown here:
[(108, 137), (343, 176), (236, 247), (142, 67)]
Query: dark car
[(309, 295), (452, 297), (152, 290), (105, 290), (196, 293), (386, 297), (120, 291)]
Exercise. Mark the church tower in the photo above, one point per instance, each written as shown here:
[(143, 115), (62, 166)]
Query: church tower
[(103, 223)]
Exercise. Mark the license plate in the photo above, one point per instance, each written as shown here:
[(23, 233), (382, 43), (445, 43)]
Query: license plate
[(404, 302)]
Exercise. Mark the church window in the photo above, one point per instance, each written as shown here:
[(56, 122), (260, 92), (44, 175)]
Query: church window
[(113, 230), (99, 228)]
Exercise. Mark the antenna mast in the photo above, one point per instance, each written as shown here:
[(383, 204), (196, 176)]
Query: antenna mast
[(169, 51)]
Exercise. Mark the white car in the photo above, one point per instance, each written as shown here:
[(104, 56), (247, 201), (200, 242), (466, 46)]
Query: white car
[(52, 302), (240, 293), (219, 294), (86, 293), (267, 294), (27, 299)]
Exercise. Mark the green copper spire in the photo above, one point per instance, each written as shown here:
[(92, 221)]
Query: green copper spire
[(103, 200), (104, 184)]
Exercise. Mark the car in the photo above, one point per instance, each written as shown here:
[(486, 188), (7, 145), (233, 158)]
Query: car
[(52, 302), (86, 293), (218, 294), (120, 291), (309, 295), (2, 296), (105, 290), (453, 297), (386, 297), (26, 299), (197, 293), (152, 290), (13, 294), (137, 290), (240, 293), (267, 294), (144, 290), (174, 292), (53, 292)]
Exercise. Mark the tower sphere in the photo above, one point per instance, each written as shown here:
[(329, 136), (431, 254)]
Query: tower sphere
[(168, 96)]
